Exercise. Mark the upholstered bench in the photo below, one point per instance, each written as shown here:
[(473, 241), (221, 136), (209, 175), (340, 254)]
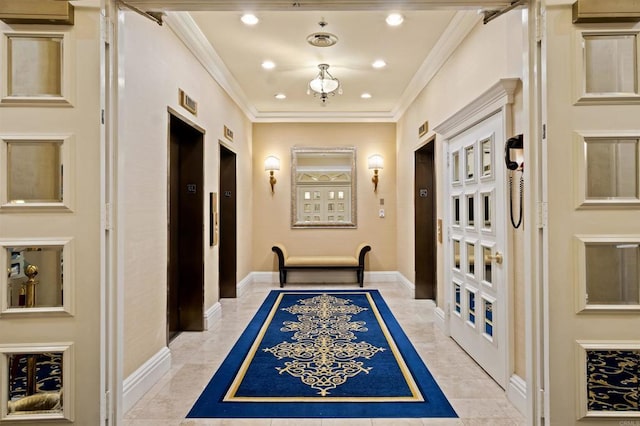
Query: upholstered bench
[(290, 263)]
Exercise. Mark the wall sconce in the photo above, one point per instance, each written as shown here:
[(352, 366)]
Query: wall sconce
[(375, 164), (272, 164)]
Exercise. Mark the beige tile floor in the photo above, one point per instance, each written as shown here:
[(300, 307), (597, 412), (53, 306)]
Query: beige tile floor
[(477, 399)]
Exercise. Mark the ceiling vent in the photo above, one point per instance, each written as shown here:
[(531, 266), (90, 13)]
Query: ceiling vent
[(321, 38)]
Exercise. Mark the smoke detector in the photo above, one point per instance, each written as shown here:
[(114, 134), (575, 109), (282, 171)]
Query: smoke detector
[(321, 38)]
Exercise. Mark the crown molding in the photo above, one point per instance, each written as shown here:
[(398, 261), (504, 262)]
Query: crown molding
[(183, 25), (492, 100), (460, 26), (325, 117)]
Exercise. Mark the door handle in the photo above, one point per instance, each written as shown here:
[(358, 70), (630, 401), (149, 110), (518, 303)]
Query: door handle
[(497, 257)]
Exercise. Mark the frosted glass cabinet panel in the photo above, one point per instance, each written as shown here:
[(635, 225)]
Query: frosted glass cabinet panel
[(34, 172), (610, 63), (611, 168), (612, 273), (35, 66)]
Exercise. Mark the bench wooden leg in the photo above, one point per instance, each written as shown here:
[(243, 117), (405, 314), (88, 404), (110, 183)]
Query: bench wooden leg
[(360, 276), (283, 277)]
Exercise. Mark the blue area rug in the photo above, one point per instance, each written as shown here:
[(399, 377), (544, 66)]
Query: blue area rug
[(309, 354)]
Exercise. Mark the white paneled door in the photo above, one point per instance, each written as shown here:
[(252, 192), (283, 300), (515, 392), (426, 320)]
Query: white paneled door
[(475, 262)]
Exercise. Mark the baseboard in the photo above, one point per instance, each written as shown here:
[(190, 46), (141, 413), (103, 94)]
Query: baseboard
[(439, 319), (517, 393), (213, 314), (381, 276), (403, 280), (242, 286), (265, 277), (143, 379)]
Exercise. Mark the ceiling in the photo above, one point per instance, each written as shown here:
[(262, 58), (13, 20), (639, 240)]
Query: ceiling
[(233, 52)]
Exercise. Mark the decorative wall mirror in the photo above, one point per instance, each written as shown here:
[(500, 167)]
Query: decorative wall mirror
[(39, 277), (323, 187)]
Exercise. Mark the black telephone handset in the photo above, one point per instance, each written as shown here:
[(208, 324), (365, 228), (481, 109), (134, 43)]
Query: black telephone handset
[(514, 159), (512, 150)]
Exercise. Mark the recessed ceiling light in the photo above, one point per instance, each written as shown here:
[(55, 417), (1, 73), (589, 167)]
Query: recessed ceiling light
[(394, 19), (366, 96), (268, 65), (379, 64), (281, 96), (249, 19)]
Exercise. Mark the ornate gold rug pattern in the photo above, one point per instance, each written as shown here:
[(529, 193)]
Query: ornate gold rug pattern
[(323, 353)]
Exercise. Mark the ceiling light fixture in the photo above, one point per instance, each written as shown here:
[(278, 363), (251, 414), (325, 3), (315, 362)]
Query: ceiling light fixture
[(366, 96), (394, 19), (268, 65), (324, 84), (249, 19), (379, 64), (321, 38), (280, 96)]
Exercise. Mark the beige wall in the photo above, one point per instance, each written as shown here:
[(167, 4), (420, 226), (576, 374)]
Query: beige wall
[(489, 53), (272, 213), (156, 64)]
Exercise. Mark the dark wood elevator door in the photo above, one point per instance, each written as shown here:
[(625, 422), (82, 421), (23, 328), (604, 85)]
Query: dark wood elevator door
[(228, 223), (425, 222), (185, 298)]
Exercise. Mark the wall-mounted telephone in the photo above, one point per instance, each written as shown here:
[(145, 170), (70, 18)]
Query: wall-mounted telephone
[(514, 159), (514, 153)]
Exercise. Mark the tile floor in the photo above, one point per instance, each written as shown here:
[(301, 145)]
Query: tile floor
[(477, 399)]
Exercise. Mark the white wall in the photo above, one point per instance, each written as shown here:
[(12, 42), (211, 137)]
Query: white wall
[(155, 65)]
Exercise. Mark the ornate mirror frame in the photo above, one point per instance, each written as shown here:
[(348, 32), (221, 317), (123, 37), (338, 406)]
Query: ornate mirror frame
[(323, 187)]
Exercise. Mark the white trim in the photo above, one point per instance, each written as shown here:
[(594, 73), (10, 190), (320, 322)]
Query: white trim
[(244, 284), (492, 100), (439, 319), (383, 277), (212, 315), (517, 393), (404, 280), (265, 277), (460, 26), (183, 25), (142, 380)]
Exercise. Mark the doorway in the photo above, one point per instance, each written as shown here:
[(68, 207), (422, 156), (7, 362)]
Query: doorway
[(425, 222), (228, 245), (185, 288)]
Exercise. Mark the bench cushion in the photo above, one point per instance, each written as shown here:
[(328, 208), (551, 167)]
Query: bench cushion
[(321, 261)]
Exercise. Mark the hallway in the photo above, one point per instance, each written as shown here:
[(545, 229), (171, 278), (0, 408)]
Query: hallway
[(196, 356)]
